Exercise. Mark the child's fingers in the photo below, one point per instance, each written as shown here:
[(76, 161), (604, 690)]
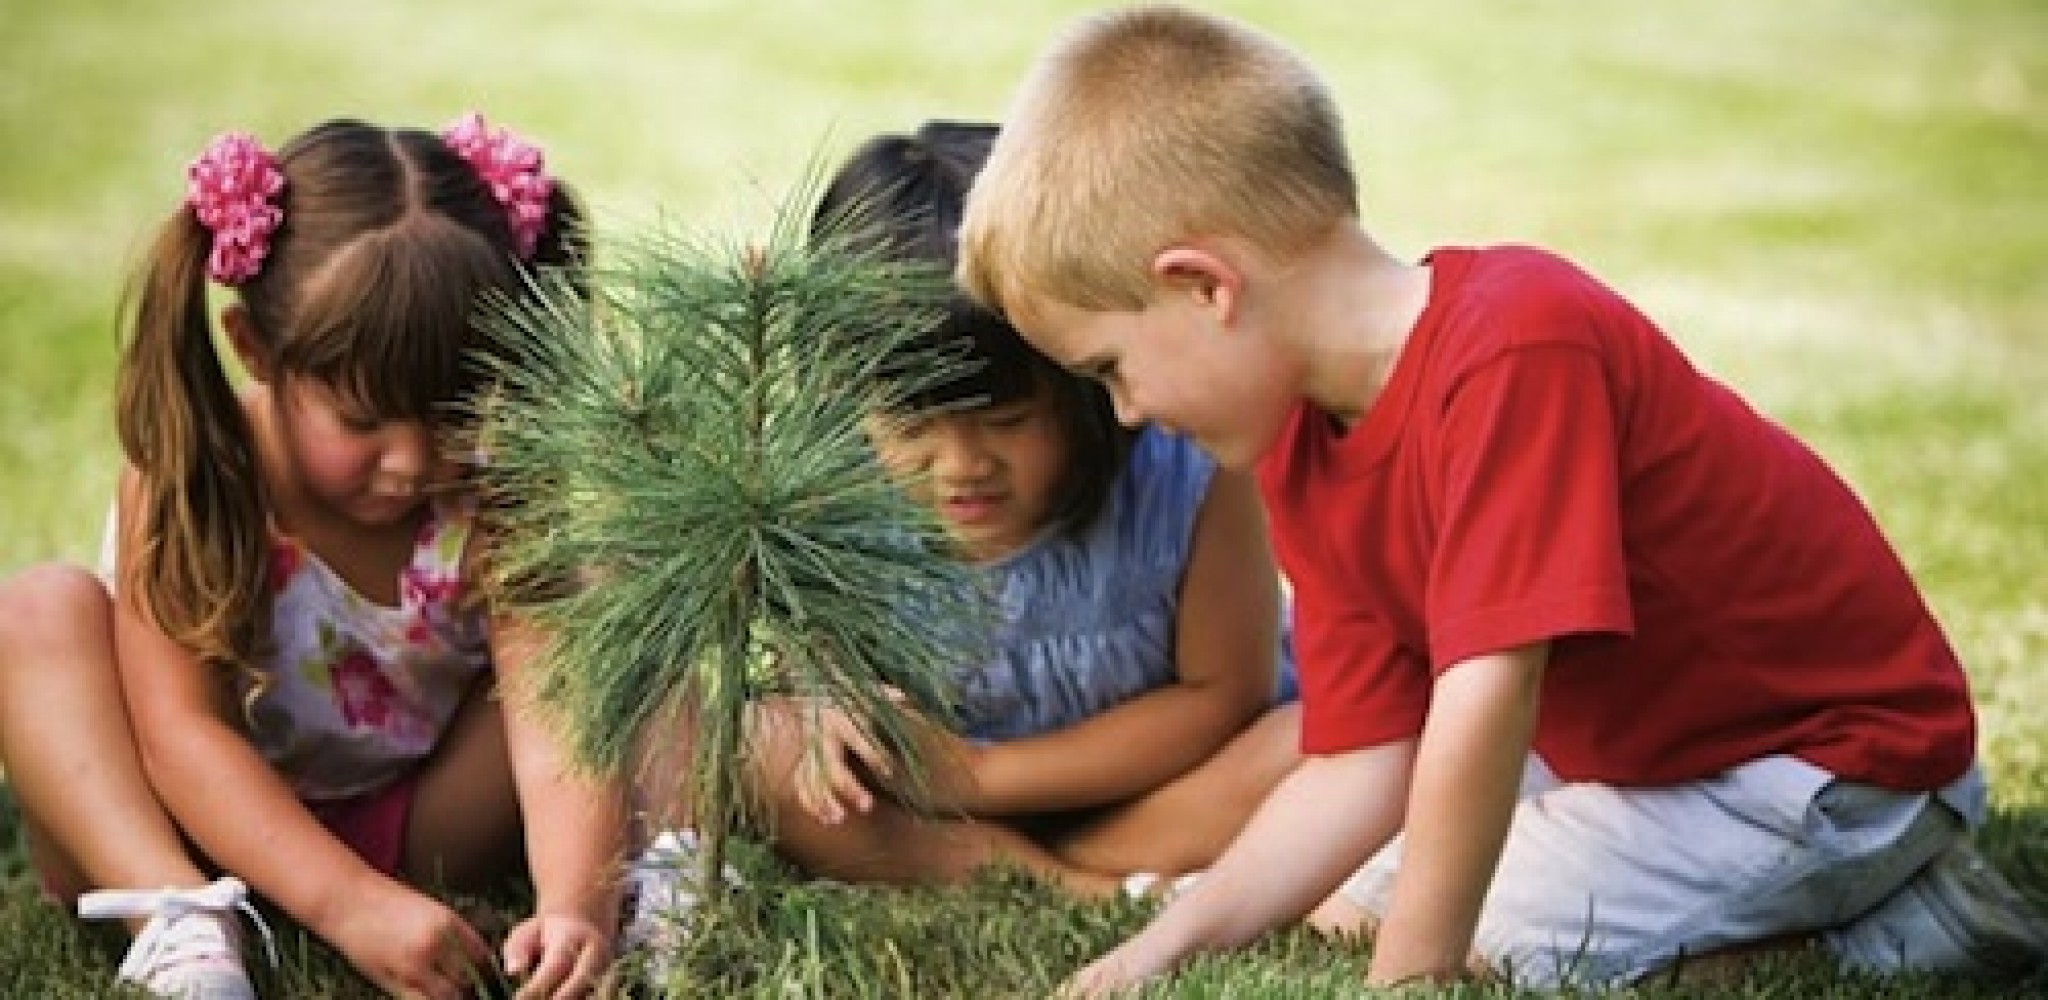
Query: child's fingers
[(814, 799), (522, 948), (549, 976), (462, 956), (470, 943), (588, 974), (571, 959), (826, 786), (855, 737), (847, 788), (814, 791)]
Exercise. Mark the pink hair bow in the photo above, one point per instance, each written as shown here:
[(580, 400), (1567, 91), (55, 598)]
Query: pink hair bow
[(230, 187), (513, 170)]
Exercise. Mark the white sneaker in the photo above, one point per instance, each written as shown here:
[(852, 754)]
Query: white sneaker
[(1957, 915), (1151, 885), (662, 889), (187, 948)]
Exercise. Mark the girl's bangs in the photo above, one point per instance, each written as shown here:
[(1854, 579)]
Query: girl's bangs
[(391, 326)]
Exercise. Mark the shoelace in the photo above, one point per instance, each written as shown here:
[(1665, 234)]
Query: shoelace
[(165, 906)]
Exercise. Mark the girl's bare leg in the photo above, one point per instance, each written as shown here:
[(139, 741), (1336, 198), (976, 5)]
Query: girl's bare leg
[(894, 844), (70, 752), (660, 794), (1183, 825), (464, 831), (891, 844)]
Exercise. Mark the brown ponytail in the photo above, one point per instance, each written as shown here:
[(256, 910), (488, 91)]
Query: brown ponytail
[(199, 561)]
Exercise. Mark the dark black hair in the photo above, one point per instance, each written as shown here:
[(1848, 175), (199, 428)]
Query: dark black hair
[(899, 198)]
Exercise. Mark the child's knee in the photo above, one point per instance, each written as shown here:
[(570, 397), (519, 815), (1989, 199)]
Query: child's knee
[(49, 600)]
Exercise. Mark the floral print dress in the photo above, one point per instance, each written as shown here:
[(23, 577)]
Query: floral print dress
[(359, 693)]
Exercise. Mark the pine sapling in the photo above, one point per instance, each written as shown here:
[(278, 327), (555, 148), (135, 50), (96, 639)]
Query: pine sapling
[(686, 506)]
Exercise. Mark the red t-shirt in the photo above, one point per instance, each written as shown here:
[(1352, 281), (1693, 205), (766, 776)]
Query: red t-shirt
[(1544, 464)]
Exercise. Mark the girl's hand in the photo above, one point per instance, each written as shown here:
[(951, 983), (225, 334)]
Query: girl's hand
[(828, 777), (559, 956), (952, 778), (827, 748), (411, 945)]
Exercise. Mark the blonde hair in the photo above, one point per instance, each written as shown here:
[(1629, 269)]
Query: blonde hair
[(1144, 126)]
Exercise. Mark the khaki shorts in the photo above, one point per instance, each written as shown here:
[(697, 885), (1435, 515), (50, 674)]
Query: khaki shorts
[(1599, 886)]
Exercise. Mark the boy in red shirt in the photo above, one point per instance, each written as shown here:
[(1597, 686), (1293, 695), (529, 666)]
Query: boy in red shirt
[(1600, 669)]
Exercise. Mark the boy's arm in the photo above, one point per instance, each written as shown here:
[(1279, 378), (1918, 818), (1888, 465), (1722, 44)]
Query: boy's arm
[(1468, 767), (1226, 637), (1318, 826)]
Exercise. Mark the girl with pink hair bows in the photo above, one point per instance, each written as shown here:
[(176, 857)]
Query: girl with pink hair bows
[(284, 680)]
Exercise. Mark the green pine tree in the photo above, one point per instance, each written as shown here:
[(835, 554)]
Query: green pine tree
[(686, 502)]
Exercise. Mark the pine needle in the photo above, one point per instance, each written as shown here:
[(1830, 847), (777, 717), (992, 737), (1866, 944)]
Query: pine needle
[(687, 505)]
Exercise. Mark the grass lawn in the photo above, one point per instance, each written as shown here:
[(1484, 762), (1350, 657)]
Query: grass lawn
[(1840, 207)]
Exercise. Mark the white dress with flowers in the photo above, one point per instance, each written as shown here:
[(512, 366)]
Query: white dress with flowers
[(359, 693)]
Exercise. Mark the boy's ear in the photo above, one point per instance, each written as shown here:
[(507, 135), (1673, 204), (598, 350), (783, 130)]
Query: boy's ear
[(1212, 278), (241, 328)]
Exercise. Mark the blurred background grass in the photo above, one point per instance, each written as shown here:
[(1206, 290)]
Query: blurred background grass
[(1840, 206)]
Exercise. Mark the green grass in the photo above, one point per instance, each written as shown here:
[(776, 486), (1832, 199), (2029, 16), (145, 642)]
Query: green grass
[(1839, 206)]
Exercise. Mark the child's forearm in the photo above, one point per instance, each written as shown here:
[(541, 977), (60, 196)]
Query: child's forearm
[(574, 851), (234, 806), (575, 824), (1468, 767), (1149, 740), (574, 820), (1318, 826), (243, 816)]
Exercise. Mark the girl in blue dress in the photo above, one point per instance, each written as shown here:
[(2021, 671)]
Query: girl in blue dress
[(1131, 712)]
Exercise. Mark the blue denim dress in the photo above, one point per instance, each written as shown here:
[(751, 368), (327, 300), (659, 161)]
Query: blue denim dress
[(1087, 620)]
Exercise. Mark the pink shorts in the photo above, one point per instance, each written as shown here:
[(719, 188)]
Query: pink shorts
[(373, 823)]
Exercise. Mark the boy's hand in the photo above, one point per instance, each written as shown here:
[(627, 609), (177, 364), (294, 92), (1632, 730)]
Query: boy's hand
[(1125, 967), (558, 957)]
